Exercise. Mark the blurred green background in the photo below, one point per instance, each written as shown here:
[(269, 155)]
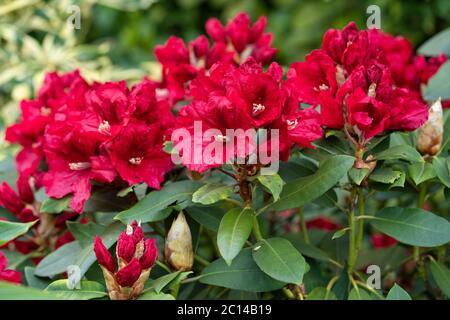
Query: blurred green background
[(117, 37)]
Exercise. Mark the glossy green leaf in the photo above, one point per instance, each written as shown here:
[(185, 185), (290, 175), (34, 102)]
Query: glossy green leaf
[(209, 217), (440, 166), (339, 233), (400, 152), (321, 293), (359, 294), (85, 232), (397, 293), (441, 275), (34, 281), (151, 207), (439, 85), (436, 45), (273, 183), (358, 175), (88, 290), (385, 175), (151, 295), (413, 226), (234, 230), (303, 190), (212, 193), (51, 205), (11, 230), (243, 274), (9, 291), (421, 172), (279, 259)]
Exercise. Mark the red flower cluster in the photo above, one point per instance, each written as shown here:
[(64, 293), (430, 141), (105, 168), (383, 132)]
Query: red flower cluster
[(8, 275), (381, 240), (135, 257), (244, 97), (232, 43), (92, 133), (355, 78)]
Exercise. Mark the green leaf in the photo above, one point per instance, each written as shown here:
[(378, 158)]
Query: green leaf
[(400, 152), (159, 284), (9, 291), (439, 84), (243, 274), (51, 205), (212, 192), (421, 172), (413, 226), (436, 45), (273, 183), (150, 207), (33, 281), (440, 165), (85, 233), (209, 217), (234, 230), (321, 293), (303, 190), (151, 295), (339, 233), (385, 175), (359, 294), (441, 275), (11, 230), (74, 254), (88, 290), (397, 293), (279, 259), (358, 175)]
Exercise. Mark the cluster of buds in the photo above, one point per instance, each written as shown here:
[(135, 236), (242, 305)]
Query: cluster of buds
[(430, 135), (135, 257)]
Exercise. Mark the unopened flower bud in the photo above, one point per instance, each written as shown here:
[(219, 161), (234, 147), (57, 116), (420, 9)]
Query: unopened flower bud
[(137, 233), (430, 135), (150, 254), (125, 246), (128, 275), (178, 249), (104, 257)]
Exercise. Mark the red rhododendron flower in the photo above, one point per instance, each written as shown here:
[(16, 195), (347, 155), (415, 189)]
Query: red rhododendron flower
[(322, 223), (381, 240), (8, 275)]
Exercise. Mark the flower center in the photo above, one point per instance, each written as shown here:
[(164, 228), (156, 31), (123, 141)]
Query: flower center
[(258, 108), (77, 166), (46, 111), (372, 90), (136, 160), (221, 138), (322, 87), (291, 124), (104, 128)]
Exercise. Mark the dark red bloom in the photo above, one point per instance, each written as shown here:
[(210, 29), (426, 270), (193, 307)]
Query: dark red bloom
[(136, 153), (381, 240), (125, 245), (8, 275), (322, 223)]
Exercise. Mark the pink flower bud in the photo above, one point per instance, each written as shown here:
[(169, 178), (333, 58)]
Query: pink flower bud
[(128, 275), (215, 30), (25, 190), (150, 254), (104, 257), (9, 199), (125, 245), (137, 235)]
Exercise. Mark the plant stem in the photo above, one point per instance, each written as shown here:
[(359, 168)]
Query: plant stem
[(351, 249), (256, 229), (416, 250), (288, 293), (303, 225), (360, 221)]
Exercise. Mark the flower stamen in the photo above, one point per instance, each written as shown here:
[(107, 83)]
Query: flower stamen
[(136, 160), (104, 128), (78, 166), (258, 108)]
